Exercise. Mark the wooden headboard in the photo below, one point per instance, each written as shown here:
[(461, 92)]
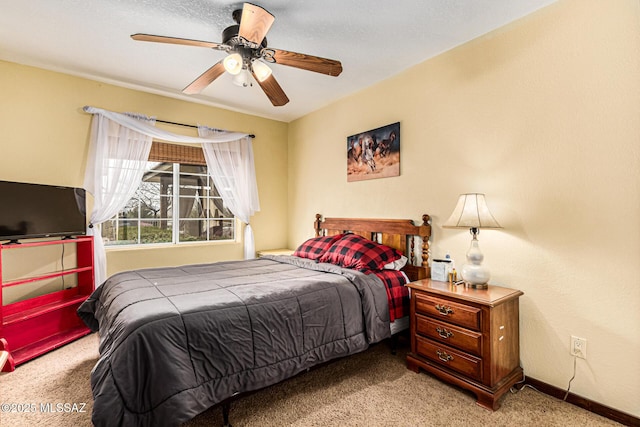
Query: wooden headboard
[(399, 234)]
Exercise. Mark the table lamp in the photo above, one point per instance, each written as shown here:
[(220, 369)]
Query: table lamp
[(472, 212)]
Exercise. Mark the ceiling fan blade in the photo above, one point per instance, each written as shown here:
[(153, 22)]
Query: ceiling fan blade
[(254, 23), (273, 90), (173, 40), (317, 64), (205, 79)]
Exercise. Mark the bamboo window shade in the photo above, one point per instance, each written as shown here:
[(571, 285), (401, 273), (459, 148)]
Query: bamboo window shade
[(176, 153)]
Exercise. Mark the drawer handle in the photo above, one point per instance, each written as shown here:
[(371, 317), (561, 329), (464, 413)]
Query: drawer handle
[(444, 310), (444, 356), (444, 333)]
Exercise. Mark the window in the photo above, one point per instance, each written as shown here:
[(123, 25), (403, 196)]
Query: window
[(176, 202)]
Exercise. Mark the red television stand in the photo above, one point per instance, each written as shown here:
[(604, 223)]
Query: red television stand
[(34, 326)]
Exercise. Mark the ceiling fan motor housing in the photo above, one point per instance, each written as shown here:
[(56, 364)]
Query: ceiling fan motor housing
[(230, 37), (237, 44)]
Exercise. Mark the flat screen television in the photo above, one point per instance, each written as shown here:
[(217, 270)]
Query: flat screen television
[(34, 210)]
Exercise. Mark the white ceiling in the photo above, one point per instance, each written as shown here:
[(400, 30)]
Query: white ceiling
[(374, 39)]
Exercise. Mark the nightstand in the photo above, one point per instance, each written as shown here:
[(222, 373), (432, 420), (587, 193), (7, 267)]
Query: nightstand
[(275, 252), (467, 337)]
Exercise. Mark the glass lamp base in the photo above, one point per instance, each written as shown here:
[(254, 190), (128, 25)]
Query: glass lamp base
[(477, 286), (475, 276), (473, 273)]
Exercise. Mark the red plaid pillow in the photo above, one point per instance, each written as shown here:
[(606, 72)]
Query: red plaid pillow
[(315, 247), (354, 251)]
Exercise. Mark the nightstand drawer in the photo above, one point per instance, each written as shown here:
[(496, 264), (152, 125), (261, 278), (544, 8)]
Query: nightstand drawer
[(463, 339), (445, 310), (466, 364)]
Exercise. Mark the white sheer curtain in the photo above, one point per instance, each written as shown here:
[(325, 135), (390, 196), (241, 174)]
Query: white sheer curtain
[(119, 149), (232, 169), (117, 160)]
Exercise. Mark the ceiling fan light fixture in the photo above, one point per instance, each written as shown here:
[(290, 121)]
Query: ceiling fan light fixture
[(261, 70), (233, 63), (242, 79)]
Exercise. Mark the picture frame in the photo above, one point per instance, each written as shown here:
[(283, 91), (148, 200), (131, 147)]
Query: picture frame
[(374, 153)]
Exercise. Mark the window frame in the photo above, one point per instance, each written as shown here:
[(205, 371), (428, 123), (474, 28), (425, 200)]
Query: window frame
[(177, 155)]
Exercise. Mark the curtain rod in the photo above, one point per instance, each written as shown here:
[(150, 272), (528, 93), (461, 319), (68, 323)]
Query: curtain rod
[(188, 126), (88, 109)]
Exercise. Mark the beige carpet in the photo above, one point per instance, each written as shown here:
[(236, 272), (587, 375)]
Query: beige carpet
[(373, 388)]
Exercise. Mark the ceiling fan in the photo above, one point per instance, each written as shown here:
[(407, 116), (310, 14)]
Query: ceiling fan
[(247, 50)]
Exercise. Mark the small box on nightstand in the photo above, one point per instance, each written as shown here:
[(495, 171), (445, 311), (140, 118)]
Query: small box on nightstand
[(440, 269)]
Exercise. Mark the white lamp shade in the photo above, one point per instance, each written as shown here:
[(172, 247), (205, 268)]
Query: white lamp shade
[(471, 212), (233, 63), (261, 70)]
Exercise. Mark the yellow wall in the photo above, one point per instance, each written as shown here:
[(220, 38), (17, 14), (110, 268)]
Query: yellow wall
[(544, 117), (44, 137)]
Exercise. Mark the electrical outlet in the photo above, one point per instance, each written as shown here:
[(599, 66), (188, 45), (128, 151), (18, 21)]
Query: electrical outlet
[(578, 347)]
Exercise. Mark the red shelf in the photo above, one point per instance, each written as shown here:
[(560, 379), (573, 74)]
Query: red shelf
[(41, 310), (17, 282), (32, 244), (45, 345), (34, 326)]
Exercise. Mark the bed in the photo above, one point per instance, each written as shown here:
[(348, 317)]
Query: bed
[(176, 341)]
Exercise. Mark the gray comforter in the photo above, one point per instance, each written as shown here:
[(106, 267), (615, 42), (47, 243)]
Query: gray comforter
[(175, 341)]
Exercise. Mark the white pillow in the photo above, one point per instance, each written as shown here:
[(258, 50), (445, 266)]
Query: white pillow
[(397, 264)]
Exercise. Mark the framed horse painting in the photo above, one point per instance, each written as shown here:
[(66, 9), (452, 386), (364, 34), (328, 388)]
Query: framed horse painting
[(374, 153)]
